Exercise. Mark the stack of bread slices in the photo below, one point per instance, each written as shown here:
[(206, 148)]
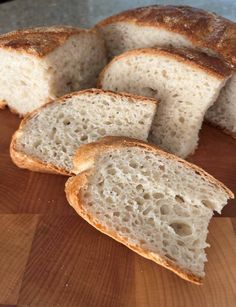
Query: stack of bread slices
[(169, 69)]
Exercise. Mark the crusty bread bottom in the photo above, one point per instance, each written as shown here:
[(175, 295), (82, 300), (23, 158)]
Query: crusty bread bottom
[(74, 187)]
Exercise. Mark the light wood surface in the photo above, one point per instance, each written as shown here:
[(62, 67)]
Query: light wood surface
[(50, 257)]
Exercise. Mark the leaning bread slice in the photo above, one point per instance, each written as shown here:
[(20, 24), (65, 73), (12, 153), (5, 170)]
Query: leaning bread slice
[(40, 64), (153, 202), (187, 82), (48, 138)]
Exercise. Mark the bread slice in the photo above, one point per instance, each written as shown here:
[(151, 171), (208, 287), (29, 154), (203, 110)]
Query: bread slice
[(48, 138), (187, 82), (179, 26), (153, 202), (40, 64)]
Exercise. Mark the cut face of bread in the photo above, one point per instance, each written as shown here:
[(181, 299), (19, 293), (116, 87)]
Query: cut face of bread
[(179, 26), (156, 204), (187, 83), (40, 64), (223, 112), (48, 138)]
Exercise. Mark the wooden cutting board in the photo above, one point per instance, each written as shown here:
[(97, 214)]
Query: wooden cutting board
[(50, 257)]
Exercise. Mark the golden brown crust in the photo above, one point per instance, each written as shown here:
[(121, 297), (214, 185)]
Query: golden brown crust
[(86, 155), (24, 161), (204, 29), (39, 41), (74, 188), (31, 163), (211, 65)]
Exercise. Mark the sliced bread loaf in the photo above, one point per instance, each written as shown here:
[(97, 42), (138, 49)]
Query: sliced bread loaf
[(187, 83), (179, 26), (40, 64), (48, 138), (156, 204)]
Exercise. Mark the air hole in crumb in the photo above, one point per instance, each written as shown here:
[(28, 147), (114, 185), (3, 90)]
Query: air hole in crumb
[(83, 137), (129, 208), (165, 243), (164, 73), (66, 122), (196, 242), (124, 229), (181, 119), (158, 195), (165, 209), (162, 167), (139, 187), (208, 204), (150, 221), (181, 229), (116, 214), (111, 171), (37, 143), (179, 199), (102, 131), (180, 243), (146, 196), (147, 210), (133, 164), (139, 201), (125, 219)]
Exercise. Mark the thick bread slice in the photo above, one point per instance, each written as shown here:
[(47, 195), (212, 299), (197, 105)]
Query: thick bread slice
[(187, 82), (153, 202), (48, 138), (40, 64), (179, 26)]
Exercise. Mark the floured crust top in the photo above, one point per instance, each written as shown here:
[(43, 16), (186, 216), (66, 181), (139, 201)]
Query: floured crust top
[(39, 41), (85, 156), (203, 29), (211, 65)]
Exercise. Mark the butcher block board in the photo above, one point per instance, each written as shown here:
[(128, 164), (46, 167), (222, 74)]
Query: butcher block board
[(50, 257)]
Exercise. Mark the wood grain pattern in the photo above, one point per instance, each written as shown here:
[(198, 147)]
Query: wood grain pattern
[(16, 235), (50, 257)]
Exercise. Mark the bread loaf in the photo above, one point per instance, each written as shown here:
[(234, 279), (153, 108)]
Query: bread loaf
[(179, 26), (39, 64), (187, 83), (156, 204)]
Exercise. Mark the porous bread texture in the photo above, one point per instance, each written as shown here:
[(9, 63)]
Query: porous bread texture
[(54, 132), (186, 91), (179, 26), (30, 79), (152, 202), (223, 111)]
